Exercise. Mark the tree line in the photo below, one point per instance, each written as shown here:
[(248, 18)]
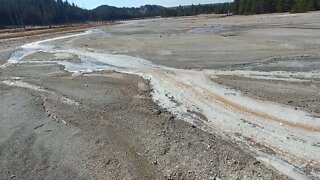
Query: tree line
[(40, 12), (20, 13), (247, 7), (219, 8)]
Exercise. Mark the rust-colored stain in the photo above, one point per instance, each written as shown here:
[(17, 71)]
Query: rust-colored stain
[(235, 106), (261, 115)]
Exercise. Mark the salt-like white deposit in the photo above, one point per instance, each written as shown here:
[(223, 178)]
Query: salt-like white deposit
[(21, 84), (273, 75), (193, 97)]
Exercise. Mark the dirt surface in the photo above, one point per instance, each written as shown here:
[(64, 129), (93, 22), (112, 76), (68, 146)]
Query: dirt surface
[(18, 33), (67, 114), (116, 131), (265, 43), (9, 46), (207, 42), (278, 42), (300, 95)]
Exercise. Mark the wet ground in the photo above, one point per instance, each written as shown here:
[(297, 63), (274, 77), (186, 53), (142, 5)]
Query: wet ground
[(220, 78), (84, 125)]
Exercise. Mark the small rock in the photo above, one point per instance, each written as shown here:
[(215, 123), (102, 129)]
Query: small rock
[(64, 122), (155, 162), (157, 112), (55, 118), (108, 162), (235, 162), (256, 163)]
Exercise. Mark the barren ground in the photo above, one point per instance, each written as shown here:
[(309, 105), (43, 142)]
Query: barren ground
[(74, 107)]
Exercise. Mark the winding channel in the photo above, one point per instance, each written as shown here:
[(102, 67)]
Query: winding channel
[(279, 135)]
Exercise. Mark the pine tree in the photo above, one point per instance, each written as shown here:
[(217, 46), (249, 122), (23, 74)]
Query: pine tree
[(281, 6), (236, 6), (242, 7)]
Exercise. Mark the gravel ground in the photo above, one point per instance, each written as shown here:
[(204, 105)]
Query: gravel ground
[(115, 132), (105, 125)]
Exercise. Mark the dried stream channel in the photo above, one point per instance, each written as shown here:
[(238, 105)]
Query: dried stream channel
[(279, 135)]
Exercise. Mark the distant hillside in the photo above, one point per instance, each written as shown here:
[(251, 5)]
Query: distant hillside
[(40, 12), (106, 13), (48, 12)]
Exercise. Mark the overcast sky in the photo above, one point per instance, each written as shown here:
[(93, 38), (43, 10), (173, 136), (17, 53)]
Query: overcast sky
[(90, 4)]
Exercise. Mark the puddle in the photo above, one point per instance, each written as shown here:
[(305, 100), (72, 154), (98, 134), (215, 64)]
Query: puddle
[(218, 28), (84, 67)]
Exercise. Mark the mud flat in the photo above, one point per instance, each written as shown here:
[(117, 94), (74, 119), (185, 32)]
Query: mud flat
[(103, 125), (194, 97)]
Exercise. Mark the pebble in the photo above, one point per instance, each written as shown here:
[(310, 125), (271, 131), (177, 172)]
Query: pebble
[(155, 162), (157, 112)]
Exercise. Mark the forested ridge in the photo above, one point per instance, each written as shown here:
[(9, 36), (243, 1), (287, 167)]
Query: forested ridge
[(48, 12), (272, 6), (40, 12)]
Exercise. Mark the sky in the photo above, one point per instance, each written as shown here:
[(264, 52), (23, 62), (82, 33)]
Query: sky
[(90, 4)]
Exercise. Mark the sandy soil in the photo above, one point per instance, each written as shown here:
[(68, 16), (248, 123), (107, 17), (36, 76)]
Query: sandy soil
[(207, 42), (279, 42), (111, 129), (116, 131), (63, 119)]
